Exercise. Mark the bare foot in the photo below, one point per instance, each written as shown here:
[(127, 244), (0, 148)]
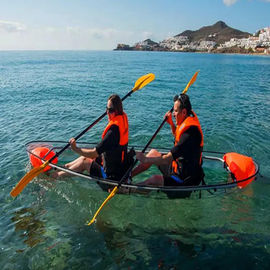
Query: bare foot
[(54, 175), (121, 190)]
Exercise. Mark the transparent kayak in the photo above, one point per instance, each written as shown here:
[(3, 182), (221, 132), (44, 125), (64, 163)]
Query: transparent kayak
[(220, 176)]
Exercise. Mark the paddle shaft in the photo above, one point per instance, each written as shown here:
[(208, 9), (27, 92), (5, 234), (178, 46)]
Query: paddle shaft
[(144, 149), (85, 130)]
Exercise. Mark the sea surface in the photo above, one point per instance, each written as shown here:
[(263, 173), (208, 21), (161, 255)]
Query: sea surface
[(54, 95)]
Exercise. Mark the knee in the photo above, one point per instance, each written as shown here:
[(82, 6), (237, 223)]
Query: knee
[(86, 161), (81, 160), (155, 180), (153, 153)]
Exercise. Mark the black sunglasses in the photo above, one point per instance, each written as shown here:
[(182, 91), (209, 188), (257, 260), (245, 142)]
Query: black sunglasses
[(110, 110)]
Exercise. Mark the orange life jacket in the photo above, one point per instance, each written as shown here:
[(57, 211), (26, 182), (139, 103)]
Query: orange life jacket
[(114, 160), (180, 129), (122, 122)]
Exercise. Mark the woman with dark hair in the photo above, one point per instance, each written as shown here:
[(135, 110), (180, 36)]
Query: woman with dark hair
[(109, 158)]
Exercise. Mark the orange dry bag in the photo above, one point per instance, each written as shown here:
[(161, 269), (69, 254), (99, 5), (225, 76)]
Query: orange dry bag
[(242, 167), (38, 154)]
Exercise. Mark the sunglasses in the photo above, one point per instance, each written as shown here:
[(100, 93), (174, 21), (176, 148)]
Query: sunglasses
[(110, 110)]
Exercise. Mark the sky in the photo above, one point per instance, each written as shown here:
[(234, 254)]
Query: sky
[(102, 24)]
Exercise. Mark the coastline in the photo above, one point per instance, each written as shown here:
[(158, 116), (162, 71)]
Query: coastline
[(202, 52), (216, 38)]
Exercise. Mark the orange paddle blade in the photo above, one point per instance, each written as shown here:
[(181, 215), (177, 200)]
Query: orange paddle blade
[(27, 178), (143, 81), (192, 80)]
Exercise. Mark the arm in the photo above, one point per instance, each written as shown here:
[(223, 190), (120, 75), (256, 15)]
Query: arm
[(111, 139), (169, 120), (88, 153)]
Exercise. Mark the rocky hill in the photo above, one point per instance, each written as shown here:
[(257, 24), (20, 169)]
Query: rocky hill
[(219, 32), (204, 39)]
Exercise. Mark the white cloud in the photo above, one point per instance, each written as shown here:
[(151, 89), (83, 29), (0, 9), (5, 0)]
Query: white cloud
[(229, 2), (94, 33), (66, 38), (103, 33), (16, 36), (11, 27)]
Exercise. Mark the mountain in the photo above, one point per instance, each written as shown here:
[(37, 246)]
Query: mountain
[(218, 32), (213, 38), (150, 42)]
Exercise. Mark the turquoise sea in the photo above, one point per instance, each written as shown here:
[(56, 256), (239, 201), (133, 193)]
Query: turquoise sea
[(54, 95)]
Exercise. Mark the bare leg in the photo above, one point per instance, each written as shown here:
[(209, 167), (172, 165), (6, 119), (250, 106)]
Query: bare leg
[(78, 165), (71, 163), (155, 180), (145, 166)]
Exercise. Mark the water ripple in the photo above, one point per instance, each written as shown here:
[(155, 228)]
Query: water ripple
[(55, 95)]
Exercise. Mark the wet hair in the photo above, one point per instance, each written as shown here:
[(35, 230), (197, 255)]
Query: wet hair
[(184, 102), (116, 104)]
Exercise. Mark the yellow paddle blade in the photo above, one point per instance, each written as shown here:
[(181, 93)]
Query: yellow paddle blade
[(143, 81), (99, 209), (193, 79), (27, 178)]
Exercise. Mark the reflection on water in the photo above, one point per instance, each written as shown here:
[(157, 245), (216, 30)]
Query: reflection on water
[(133, 247), (32, 228)]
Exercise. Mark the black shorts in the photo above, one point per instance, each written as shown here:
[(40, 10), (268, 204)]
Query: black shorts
[(169, 179), (175, 180), (165, 169), (96, 170)]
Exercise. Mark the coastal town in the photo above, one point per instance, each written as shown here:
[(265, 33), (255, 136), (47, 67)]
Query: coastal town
[(208, 39), (255, 43)]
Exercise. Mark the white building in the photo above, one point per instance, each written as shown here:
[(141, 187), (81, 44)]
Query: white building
[(264, 35), (174, 43)]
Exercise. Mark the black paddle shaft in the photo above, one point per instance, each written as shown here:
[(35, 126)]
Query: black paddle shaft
[(85, 130), (144, 149)]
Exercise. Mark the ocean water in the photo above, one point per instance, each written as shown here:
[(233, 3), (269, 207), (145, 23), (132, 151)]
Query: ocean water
[(47, 95)]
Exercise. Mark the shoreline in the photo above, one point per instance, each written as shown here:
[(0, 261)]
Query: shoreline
[(157, 51), (228, 53)]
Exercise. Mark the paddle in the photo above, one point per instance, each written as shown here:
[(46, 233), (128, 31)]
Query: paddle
[(192, 80), (139, 84)]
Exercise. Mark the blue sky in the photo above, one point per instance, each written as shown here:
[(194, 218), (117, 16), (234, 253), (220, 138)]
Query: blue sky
[(102, 24)]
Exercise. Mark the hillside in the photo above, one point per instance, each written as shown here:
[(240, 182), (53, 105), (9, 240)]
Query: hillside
[(218, 32), (218, 37)]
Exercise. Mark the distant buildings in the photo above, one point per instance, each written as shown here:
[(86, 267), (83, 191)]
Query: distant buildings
[(174, 43), (259, 42)]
